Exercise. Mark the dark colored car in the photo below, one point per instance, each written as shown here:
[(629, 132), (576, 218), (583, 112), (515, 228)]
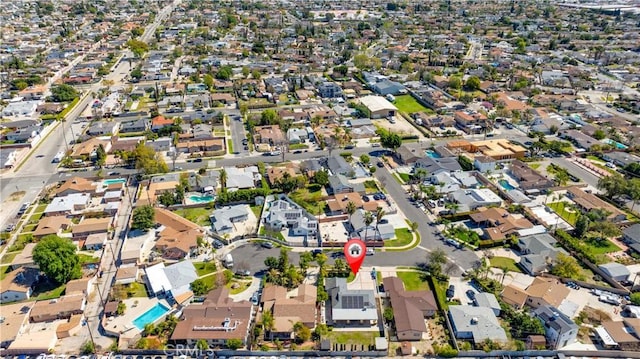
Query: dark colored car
[(198, 160), (316, 251), (365, 198), (471, 294), (217, 244), (380, 164), (451, 291)]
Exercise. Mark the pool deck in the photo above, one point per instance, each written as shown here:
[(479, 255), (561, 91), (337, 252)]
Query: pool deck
[(189, 201), (122, 326)]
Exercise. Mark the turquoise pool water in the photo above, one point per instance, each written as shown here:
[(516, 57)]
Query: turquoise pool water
[(433, 154), (201, 199), (114, 180), (618, 145), (506, 185), (150, 316)]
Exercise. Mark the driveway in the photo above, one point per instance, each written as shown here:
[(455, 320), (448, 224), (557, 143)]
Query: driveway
[(247, 293), (237, 133)]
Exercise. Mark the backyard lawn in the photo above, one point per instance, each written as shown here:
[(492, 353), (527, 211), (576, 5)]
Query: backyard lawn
[(355, 338), (602, 246), (311, 201), (257, 210), (8, 257), (204, 268), (371, 187), (3, 272), (47, 291), (413, 280), (243, 285), (504, 262), (87, 259), (567, 214), (403, 238), (199, 216), (409, 105)]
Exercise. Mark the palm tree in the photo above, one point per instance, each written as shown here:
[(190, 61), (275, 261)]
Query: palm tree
[(368, 219), (223, 179), (505, 273), (452, 207), (379, 214), (351, 209), (267, 322)]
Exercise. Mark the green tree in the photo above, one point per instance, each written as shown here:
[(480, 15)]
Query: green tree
[(139, 48), (101, 156), (224, 73), (582, 226), (245, 72), (199, 287), (302, 332), (455, 82), (57, 258), (143, 218), (389, 139), (599, 134), (635, 298), (88, 348), (566, 267), (121, 308), (364, 158), (63, 93), (148, 161), (351, 208), (388, 314), (234, 344), (321, 177), (202, 344), (473, 83), (256, 74), (207, 80)]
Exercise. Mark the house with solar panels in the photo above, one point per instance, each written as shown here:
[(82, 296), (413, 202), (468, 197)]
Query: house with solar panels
[(350, 307)]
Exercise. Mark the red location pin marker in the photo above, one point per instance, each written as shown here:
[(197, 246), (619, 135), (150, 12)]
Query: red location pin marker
[(355, 251)]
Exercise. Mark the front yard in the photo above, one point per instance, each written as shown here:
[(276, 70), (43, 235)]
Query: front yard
[(310, 198), (403, 238), (204, 268), (504, 262), (413, 280), (352, 338)]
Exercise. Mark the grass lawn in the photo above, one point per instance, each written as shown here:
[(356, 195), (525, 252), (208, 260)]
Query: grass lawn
[(559, 208), (257, 210), (600, 165), (35, 218), (209, 280), (534, 165), (298, 146), (243, 286), (600, 246), (273, 234), (504, 262), (41, 208), (408, 104), (403, 238), (195, 215), (229, 146), (47, 291), (355, 338), (137, 289), (86, 259), (413, 280), (311, 201), (204, 268), (8, 257), (370, 187), (594, 158), (405, 177), (3, 272), (439, 290), (29, 228)]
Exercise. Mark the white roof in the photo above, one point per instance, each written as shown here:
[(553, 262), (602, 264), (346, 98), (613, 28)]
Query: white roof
[(157, 279), (377, 103)]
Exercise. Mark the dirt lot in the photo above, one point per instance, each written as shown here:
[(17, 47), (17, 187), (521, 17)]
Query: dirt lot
[(401, 126)]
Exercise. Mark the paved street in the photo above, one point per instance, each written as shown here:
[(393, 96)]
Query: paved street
[(237, 132)]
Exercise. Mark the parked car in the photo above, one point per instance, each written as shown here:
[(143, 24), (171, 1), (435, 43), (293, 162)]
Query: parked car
[(316, 251), (380, 164), (10, 227), (255, 298), (371, 251), (266, 244), (471, 294), (451, 291), (365, 198), (217, 244), (243, 273)]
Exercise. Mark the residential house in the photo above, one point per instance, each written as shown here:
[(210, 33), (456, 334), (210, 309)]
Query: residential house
[(434, 166), (139, 125), (242, 178), (631, 236), (530, 180), (67, 205), (15, 316), (61, 308), (373, 231), (476, 324), (216, 321), (76, 185), (406, 155), (349, 307), (223, 219), (178, 237), (514, 296), (52, 225), (579, 139), (88, 149), (546, 291), (270, 135), (274, 174), (287, 214), (103, 128), (386, 87), (195, 146), (410, 308), (484, 164), (172, 282), (90, 226), (537, 252), (18, 284), (289, 308), (24, 258), (23, 135), (159, 122), (498, 223), (96, 241), (487, 300), (499, 149), (337, 205), (620, 335), (470, 121), (340, 184), (378, 106), (329, 90), (126, 274), (559, 329), (589, 201), (471, 199), (621, 159), (339, 166), (297, 135)]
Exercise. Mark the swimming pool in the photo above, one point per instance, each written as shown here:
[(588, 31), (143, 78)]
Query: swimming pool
[(506, 185), (114, 180), (150, 316), (433, 154), (202, 198), (618, 145)]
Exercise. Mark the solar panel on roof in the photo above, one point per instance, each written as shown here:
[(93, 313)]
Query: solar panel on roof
[(352, 301)]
